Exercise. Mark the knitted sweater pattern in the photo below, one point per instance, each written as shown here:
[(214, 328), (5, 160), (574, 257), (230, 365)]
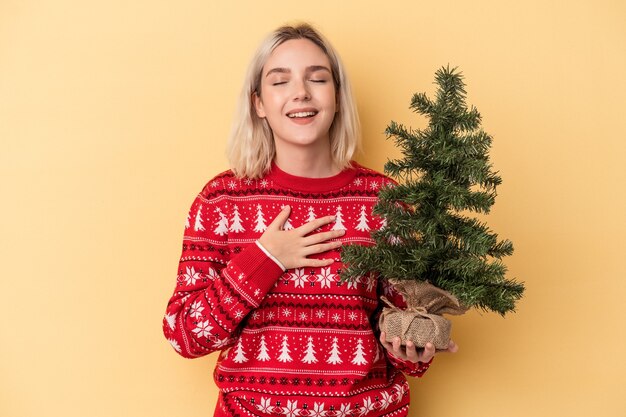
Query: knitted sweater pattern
[(293, 343)]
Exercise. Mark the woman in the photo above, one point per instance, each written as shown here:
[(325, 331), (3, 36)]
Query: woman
[(259, 273)]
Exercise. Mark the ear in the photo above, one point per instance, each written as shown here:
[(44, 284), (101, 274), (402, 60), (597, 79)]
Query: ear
[(258, 105)]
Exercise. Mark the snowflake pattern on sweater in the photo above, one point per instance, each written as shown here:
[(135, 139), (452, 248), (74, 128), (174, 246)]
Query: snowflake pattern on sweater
[(296, 343)]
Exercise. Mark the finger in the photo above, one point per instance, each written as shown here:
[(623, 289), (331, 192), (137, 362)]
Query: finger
[(322, 247), (316, 263), (322, 237), (453, 347), (307, 228), (411, 351), (280, 219), (384, 342), (428, 353), (397, 348)]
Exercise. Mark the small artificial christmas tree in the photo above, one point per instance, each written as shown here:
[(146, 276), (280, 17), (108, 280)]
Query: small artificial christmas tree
[(444, 173)]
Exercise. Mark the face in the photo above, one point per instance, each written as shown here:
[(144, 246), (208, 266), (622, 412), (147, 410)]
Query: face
[(298, 97)]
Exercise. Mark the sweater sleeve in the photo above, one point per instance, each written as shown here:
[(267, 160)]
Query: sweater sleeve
[(215, 289), (415, 369)]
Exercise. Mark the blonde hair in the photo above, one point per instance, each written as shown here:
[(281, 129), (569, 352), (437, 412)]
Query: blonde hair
[(251, 144)]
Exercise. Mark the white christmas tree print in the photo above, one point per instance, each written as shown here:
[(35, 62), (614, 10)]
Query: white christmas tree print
[(187, 221), (260, 220), (222, 224), (198, 226), (263, 356), (235, 225), (241, 355), (171, 320), (338, 220), (311, 215), (284, 351), (174, 344), (309, 356), (287, 225), (359, 358), (363, 226), (334, 358)]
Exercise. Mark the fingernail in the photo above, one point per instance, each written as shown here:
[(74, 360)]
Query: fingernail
[(286, 208)]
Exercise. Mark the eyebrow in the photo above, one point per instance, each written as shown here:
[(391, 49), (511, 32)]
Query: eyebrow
[(312, 68)]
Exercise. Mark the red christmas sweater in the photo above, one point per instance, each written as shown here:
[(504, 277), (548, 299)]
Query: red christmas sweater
[(295, 343)]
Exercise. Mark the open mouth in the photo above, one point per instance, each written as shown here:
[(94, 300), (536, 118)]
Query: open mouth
[(302, 115)]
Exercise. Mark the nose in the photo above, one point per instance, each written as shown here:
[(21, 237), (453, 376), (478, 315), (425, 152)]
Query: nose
[(301, 91)]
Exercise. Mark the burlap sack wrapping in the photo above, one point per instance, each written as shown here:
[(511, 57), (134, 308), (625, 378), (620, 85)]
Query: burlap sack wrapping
[(422, 321)]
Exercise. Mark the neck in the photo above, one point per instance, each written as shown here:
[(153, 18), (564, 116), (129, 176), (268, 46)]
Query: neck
[(306, 162)]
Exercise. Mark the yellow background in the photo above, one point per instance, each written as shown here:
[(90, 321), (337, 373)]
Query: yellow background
[(113, 115)]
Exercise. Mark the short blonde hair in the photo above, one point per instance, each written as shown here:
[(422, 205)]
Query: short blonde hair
[(251, 144)]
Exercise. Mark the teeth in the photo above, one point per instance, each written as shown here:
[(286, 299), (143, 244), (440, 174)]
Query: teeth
[(302, 114)]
